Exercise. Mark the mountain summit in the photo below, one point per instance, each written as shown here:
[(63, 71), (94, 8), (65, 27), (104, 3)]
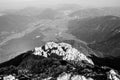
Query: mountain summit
[(55, 61)]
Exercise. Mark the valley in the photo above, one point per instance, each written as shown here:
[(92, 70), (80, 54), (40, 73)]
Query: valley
[(92, 32)]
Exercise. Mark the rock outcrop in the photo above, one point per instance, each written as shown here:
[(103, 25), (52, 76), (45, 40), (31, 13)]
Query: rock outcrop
[(62, 49), (55, 61)]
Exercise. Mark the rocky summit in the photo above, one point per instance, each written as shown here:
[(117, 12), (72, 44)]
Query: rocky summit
[(55, 61), (62, 49)]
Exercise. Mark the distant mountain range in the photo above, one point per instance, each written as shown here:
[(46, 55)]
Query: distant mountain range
[(95, 12), (94, 32), (95, 29)]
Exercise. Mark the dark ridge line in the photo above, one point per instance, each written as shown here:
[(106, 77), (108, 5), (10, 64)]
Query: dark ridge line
[(112, 62), (16, 61)]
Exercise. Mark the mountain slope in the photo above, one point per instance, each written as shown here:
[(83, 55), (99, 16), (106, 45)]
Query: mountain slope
[(56, 61), (109, 47), (48, 14), (95, 29), (12, 22), (96, 12)]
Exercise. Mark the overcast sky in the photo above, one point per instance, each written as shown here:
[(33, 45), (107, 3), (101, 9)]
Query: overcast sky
[(9, 4)]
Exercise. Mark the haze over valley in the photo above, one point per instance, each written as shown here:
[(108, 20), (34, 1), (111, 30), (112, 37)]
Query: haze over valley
[(90, 26)]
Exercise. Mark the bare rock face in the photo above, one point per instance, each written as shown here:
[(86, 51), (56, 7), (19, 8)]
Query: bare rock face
[(62, 49), (55, 61), (66, 76), (113, 75), (9, 77)]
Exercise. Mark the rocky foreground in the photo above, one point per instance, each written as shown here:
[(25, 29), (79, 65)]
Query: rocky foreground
[(55, 61)]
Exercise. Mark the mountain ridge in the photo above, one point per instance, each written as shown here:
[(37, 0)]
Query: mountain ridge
[(50, 62)]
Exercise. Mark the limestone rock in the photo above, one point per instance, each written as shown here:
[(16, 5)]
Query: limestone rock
[(62, 49)]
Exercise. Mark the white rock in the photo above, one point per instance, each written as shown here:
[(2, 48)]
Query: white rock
[(38, 51), (69, 54), (113, 75), (65, 45), (47, 78), (69, 76), (51, 45), (64, 76), (79, 77), (9, 77)]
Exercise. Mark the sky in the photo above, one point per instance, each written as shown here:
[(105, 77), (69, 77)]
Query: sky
[(14, 4)]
